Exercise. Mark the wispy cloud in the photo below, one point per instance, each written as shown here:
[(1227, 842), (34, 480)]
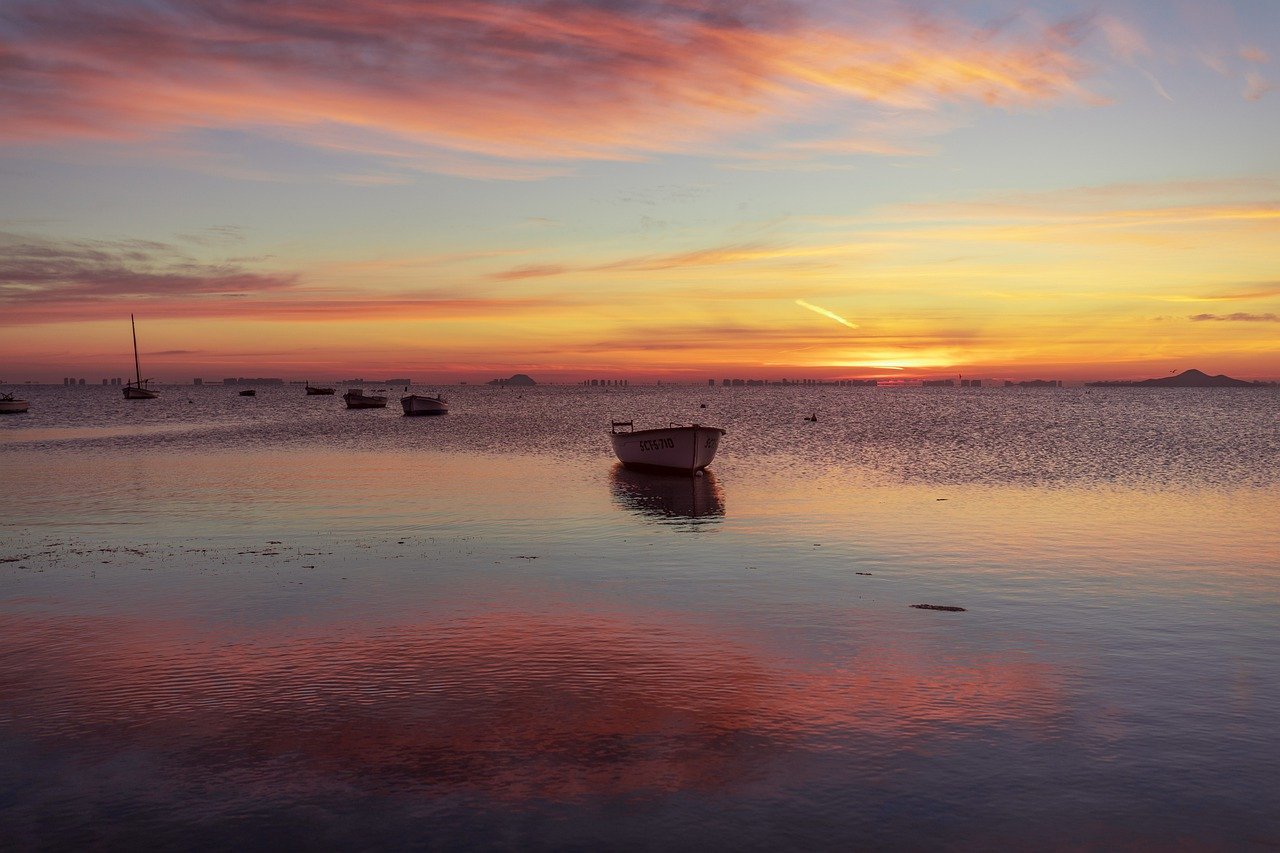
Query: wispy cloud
[(1237, 317), (40, 271), (54, 281), (463, 86), (741, 253), (1156, 214)]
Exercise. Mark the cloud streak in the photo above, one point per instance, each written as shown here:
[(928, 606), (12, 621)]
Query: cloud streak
[(1237, 317), (59, 281), (421, 82), (39, 271)]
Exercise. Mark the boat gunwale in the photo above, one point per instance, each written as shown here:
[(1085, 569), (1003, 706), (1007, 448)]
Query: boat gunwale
[(668, 429)]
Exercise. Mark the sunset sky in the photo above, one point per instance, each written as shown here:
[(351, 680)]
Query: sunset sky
[(651, 189)]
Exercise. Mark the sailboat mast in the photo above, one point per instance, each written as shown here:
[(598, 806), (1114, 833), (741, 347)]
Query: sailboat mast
[(137, 369)]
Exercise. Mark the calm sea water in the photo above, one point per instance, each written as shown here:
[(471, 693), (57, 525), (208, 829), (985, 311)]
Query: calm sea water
[(235, 622)]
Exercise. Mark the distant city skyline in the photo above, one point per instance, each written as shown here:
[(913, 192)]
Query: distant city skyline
[(652, 191)]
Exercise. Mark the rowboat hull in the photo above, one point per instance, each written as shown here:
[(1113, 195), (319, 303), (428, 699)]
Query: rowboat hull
[(416, 404), (358, 400), (13, 407), (681, 448), (319, 392)]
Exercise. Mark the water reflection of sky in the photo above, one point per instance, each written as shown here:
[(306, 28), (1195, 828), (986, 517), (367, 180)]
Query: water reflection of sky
[(358, 647), (504, 709)]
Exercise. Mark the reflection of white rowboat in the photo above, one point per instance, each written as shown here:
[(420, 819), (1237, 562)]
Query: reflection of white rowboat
[(670, 497), (11, 406), (356, 399), (416, 404), (673, 448)]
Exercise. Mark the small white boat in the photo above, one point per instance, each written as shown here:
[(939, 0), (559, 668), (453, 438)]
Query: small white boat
[(357, 399), (673, 448), (417, 404), (9, 405)]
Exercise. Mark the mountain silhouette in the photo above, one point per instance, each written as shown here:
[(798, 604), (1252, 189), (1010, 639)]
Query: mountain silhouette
[(1186, 379)]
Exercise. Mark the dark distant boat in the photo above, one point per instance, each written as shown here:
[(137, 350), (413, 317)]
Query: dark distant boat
[(312, 392), (417, 404), (249, 392), (357, 399), (137, 390), (674, 448), (9, 405)]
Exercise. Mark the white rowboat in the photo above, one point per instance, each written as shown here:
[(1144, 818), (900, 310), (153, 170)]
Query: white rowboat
[(673, 448), (11, 406)]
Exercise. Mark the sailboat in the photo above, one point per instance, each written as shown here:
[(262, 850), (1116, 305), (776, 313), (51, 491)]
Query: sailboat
[(137, 390)]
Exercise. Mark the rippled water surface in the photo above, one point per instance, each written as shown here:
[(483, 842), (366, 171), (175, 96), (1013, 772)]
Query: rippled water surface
[(264, 622)]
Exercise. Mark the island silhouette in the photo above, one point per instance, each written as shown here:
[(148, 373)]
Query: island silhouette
[(1186, 379), (520, 379)]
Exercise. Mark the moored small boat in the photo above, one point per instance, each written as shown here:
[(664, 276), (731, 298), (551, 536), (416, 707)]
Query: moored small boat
[(10, 405), (674, 448), (137, 389), (356, 399), (138, 392), (418, 404), (249, 392), (311, 392)]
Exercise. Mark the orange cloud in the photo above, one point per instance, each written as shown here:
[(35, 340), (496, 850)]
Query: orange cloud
[(424, 84)]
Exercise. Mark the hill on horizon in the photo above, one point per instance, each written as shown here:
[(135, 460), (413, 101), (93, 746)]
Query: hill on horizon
[(1186, 379)]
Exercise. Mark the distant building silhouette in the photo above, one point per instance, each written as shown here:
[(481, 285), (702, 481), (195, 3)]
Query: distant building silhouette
[(243, 380)]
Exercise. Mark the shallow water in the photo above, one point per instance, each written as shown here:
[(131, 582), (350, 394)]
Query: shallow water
[(261, 621)]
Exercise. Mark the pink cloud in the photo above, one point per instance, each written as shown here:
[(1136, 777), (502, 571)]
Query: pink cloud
[(416, 81)]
